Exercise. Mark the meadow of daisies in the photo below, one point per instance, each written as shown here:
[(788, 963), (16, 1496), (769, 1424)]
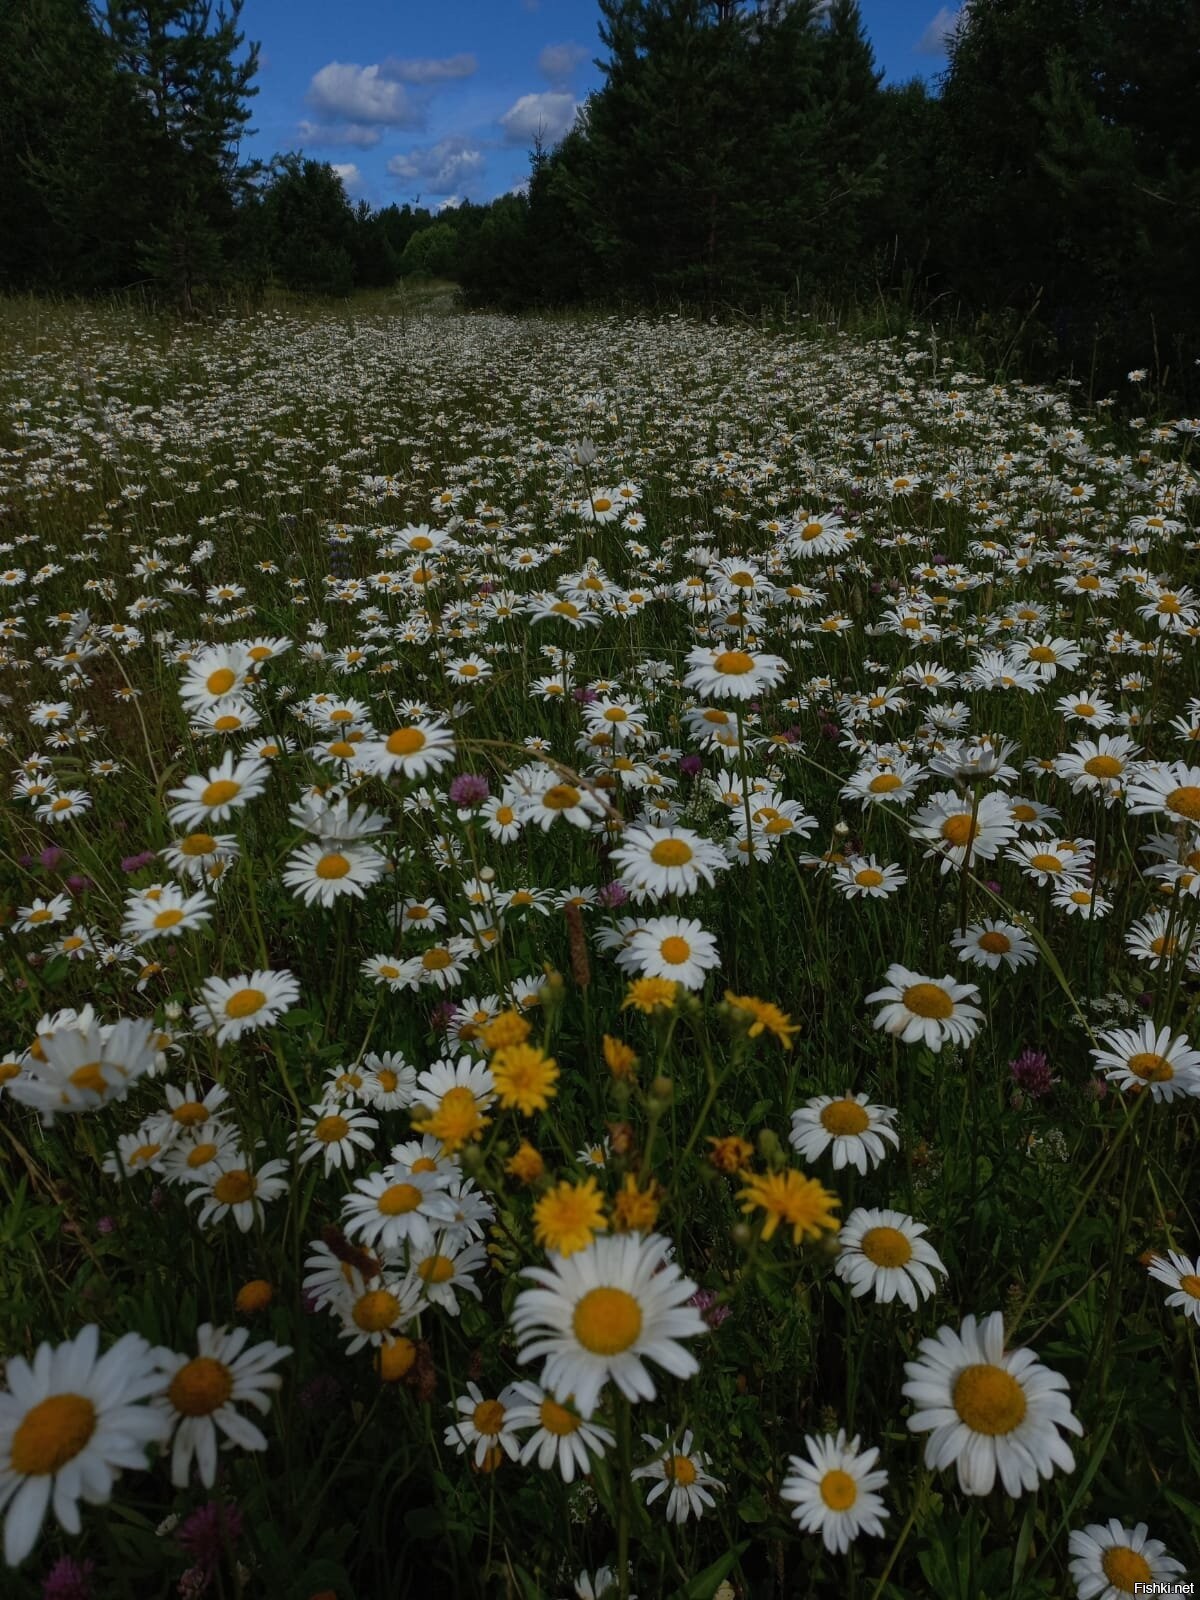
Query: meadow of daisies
[(599, 937)]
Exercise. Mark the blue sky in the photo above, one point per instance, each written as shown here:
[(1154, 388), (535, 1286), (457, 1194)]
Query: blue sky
[(441, 101)]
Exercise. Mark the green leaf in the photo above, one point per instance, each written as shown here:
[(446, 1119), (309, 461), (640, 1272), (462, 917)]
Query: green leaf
[(705, 1584)]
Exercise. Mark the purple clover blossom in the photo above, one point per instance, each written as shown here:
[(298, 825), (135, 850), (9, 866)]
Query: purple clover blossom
[(691, 766), (209, 1533), (136, 863), (51, 856), (613, 894), (78, 883), (1031, 1074), (585, 697), (69, 1580), (469, 789), (705, 1302)]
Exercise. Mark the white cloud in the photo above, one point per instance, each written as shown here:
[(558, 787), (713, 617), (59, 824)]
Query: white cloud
[(940, 30), (443, 168), (450, 203), (349, 133), (547, 116), (429, 69), (363, 95), (558, 61), (351, 177)]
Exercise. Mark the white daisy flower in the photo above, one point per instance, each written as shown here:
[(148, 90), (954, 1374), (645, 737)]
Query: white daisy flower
[(70, 1420), (202, 1393), (883, 1252), (80, 1067), (670, 947), (835, 1491), (424, 746), (486, 1428), (390, 1083), (1182, 1277), (373, 1312), (386, 1211), (1151, 1057), (225, 790), (990, 1412), (849, 1125), (929, 1011), (654, 862), (164, 913), (682, 1475), (601, 1312), (231, 1007), (233, 1189), (1110, 1561), (449, 1270), (335, 1132), (990, 943), (561, 1438), (732, 674), (863, 877), (319, 876), (959, 831)]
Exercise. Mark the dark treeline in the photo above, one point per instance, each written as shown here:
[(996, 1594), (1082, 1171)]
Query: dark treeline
[(737, 155)]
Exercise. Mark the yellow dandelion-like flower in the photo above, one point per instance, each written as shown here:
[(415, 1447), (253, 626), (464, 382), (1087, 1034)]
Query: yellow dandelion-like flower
[(525, 1078), (525, 1164), (765, 1017), (651, 994), (729, 1153), (507, 1029), (619, 1058), (569, 1216), (456, 1122), (788, 1197), (635, 1210)]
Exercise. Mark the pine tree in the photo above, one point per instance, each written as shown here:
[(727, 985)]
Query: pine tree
[(191, 68)]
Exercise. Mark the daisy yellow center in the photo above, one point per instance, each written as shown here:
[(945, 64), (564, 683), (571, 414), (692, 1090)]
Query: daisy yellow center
[(488, 1417), (601, 503), (675, 950), (376, 1310), (329, 1130), (89, 1077), (959, 830), (201, 1156), (734, 663), (386, 970), (996, 944), (680, 1470), (64, 803), (333, 866), (607, 1322), (72, 942), (1085, 709), (168, 919), (234, 1188), (884, 783), (928, 1000), (9, 1070), (1042, 654), (437, 959), (221, 681), (844, 1117), (201, 1387), (1125, 1568), (218, 793), (743, 580), (40, 915), (342, 749), (838, 1490), (561, 797), (1150, 1068), (398, 1199), (504, 815), (1163, 946), (244, 1003), (1103, 767), (52, 1433), (143, 1153), (1185, 802), (227, 723), (1045, 862), (557, 1419), (1169, 604), (812, 530), (886, 1247), (435, 1269), (198, 844), (405, 742), (388, 1080), (671, 853), (868, 878), (260, 652), (989, 1400)]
